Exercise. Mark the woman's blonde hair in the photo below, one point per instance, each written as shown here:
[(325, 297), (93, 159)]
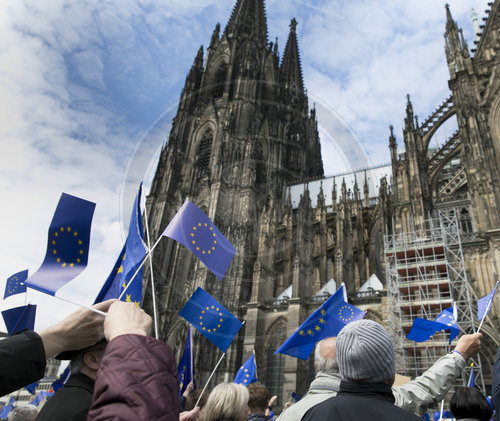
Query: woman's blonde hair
[(227, 401)]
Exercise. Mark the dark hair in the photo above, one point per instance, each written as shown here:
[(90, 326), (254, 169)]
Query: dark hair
[(259, 397), (469, 402)]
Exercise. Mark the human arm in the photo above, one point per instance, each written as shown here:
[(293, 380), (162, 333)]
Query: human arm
[(23, 356), (79, 330), (137, 379), (431, 387)]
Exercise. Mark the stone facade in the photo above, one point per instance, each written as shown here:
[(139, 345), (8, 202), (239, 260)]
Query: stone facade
[(244, 136)]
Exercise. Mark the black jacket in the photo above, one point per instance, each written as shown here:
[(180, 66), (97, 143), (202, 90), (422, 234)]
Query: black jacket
[(357, 401), (22, 361), (71, 402), (495, 387), (254, 416)]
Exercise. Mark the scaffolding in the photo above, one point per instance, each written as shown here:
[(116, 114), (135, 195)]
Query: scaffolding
[(425, 275)]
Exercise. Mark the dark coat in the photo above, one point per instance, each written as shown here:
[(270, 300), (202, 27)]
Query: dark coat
[(495, 387), (22, 361), (137, 380), (257, 417), (71, 402), (357, 401)]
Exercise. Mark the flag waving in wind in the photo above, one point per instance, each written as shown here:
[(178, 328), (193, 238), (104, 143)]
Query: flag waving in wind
[(328, 320), (484, 304), (19, 318), (211, 319), (422, 329), (129, 260), (247, 373), (193, 229), (15, 284), (67, 246), (185, 371)]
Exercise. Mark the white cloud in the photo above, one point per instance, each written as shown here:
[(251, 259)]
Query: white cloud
[(81, 82)]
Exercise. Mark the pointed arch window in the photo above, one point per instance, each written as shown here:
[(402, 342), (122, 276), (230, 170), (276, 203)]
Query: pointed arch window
[(275, 364), (204, 152), (220, 81)]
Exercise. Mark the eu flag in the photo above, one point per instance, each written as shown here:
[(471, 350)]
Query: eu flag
[(472, 380), (422, 329), (31, 387), (61, 379), (15, 284), (7, 408), (129, 260), (40, 397), (484, 304), (211, 319), (68, 245), (328, 320), (19, 318), (247, 373), (193, 229), (185, 371)]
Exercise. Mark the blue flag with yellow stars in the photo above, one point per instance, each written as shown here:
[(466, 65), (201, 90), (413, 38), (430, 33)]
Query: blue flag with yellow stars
[(211, 319), (247, 373), (185, 371), (484, 304), (61, 380), (31, 387), (193, 229), (68, 245), (19, 318), (15, 284), (129, 260), (328, 320), (422, 329)]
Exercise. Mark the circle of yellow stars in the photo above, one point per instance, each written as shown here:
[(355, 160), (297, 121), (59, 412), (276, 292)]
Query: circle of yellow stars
[(315, 328), (12, 286), (196, 245), (343, 317), (246, 375), (212, 329), (62, 230)]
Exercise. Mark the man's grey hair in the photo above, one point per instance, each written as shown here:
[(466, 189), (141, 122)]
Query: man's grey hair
[(328, 366), (77, 363), (23, 413)]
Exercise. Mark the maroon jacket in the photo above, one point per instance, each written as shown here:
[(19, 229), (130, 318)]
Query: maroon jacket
[(137, 380)]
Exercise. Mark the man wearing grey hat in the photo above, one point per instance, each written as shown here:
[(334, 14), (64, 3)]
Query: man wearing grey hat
[(367, 366)]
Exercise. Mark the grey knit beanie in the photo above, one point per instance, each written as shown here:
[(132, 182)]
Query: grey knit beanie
[(365, 352)]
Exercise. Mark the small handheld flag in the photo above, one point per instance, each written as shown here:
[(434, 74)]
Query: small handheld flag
[(19, 318), (211, 319), (185, 371), (128, 262), (67, 245), (328, 320), (422, 329), (40, 397), (247, 373), (15, 284), (485, 303), (31, 387), (61, 379), (472, 380), (193, 229), (296, 397)]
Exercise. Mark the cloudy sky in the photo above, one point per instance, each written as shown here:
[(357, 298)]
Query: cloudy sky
[(88, 89)]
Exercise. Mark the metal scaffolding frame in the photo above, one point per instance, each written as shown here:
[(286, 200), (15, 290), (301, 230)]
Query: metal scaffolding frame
[(425, 275)]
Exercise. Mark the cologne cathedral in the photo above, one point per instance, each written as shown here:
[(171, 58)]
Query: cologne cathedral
[(244, 147)]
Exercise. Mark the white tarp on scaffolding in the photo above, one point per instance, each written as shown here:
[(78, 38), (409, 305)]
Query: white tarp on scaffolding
[(373, 284), (285, 295), (329, 289)]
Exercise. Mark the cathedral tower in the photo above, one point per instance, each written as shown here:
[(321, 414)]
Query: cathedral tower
[(243, 130)]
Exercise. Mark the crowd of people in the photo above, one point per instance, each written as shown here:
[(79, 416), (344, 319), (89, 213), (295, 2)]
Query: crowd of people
[(119, 372)]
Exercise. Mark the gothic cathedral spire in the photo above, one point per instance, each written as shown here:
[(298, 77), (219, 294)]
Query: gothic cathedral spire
[(291, 67), (248, 20)]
